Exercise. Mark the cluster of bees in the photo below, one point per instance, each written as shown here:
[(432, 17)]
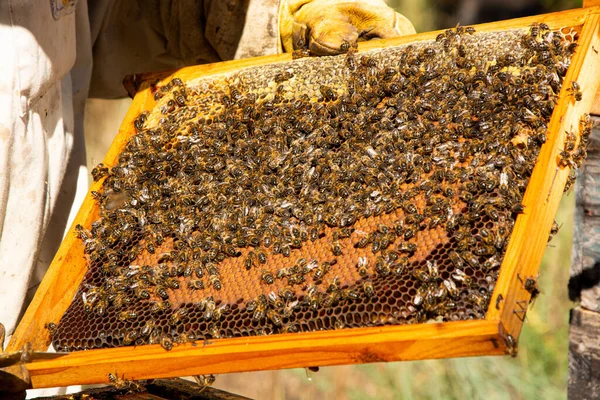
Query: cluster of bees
[(322, 193), (575, 150)]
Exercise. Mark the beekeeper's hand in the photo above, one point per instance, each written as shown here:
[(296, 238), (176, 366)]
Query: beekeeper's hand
[(325, 25)]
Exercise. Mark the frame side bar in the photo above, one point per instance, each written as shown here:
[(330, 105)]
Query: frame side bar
[(544, 192)]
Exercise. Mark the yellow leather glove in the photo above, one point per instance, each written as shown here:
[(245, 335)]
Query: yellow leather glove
[(328, 27)]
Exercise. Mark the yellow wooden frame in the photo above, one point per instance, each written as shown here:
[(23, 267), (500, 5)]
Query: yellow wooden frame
[(490, 336)]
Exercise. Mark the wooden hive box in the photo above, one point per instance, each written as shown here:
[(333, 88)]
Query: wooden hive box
[(496, 334)]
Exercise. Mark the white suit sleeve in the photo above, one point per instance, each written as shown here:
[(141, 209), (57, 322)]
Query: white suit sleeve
[(40, 155)]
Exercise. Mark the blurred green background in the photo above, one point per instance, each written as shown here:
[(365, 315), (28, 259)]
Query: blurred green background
[(540, 369)]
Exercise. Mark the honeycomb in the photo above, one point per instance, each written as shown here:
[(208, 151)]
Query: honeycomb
[(322, 193)]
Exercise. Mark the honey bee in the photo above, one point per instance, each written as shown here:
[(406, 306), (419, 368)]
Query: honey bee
[(175, 318), (99, 172), (209, 308), (130, 336), (331, 298), (321, 270), (267, 277), (351, 61), (350, 294), (484, 251), (119, 383), (363, 265), (147, 328), (259, 310), (407, 247), (460, 276), (275, 300), (84, 234), (534, 29), (127, 315), (166, 342), (274, 317), (432, 270), (215, 281), (300, 53), (367, 62), (578, 156), (368, 289), (421, 275), (99, 197), (470, 258), (511, 345), (51, 326), (328, 93), (517, 209), (451, 288), (283, 76), (172, 283), (289, 308), (456, 259), (195, 284), (286, 293), (334, 285), (554, 229), (185, 337), (140, 292), (479, 300), (314, 297), (530, 284), (336, 248), (339, 324), (575, 91), (161, 292), (250, 260), (285, 272), (159, 306), (204, 381), (570, 141), (363, 242), (313, 234), (122, 383), (499, 300), (296, 279), (419, 297), (214, 331), (409, 208), (262, 258), (382, 267), (289, 327)]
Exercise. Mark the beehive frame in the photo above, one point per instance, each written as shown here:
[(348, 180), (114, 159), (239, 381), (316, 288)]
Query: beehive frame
[(497, 334)]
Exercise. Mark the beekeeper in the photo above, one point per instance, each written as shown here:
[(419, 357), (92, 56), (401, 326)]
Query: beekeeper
[(57, 53)]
